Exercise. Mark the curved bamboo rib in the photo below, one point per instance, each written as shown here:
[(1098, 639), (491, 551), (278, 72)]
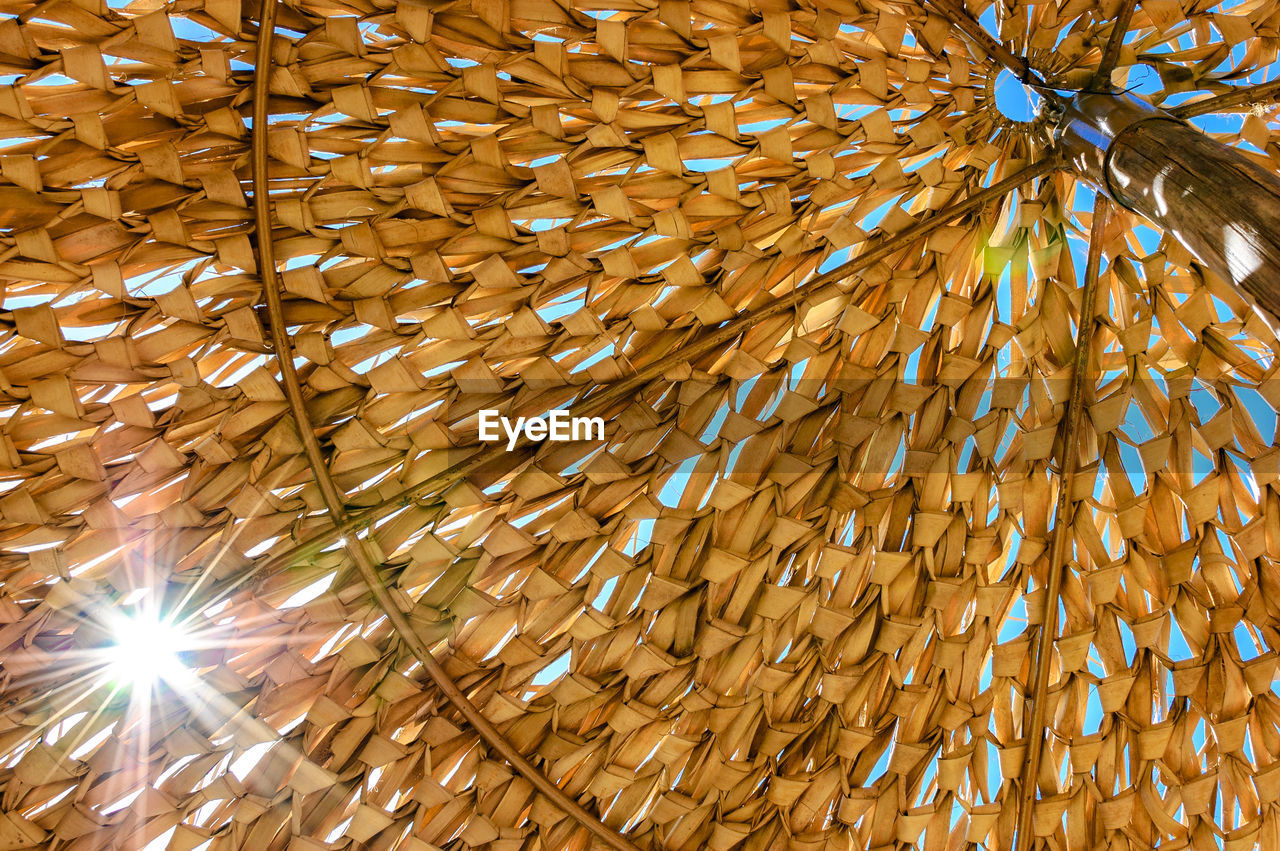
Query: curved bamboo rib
[(333, 499), (1062, 518), (439, 482)]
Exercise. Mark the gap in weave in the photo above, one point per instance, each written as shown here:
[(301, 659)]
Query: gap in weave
[(1015, 101)]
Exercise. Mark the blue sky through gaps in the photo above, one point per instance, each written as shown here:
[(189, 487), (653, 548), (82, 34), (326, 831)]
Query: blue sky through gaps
[(1014, 100)]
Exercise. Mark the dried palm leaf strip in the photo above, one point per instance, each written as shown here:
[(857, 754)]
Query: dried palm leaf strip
[(1062, 520), (353, 522), (333, 498)]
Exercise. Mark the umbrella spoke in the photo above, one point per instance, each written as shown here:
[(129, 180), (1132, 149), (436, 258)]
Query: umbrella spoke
[(1063, 517), (1247, 97), (965, 22), (1102, 77)]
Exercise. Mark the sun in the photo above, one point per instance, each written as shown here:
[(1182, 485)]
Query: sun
[(145, 651)]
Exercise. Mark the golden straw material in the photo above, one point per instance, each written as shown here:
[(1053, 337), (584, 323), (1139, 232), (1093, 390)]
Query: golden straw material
[(936, 501)]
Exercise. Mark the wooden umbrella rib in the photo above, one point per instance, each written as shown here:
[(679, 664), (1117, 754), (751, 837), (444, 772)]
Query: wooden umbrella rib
[(1249, 95), (1063, 517), (965, 22), (1102, 77), (437, 483), (333, 498)]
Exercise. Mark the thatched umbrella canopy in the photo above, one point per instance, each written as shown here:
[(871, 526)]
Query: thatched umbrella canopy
[(937, 501)]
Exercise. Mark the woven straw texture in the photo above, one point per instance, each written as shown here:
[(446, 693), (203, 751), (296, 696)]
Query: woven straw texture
[(833, 308)]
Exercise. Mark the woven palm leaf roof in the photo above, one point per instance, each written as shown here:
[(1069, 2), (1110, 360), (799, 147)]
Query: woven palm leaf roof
[(848, 545)]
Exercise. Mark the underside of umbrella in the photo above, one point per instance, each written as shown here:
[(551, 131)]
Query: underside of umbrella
[(559, 424)]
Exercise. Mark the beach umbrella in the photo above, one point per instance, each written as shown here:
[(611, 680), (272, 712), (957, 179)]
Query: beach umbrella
[(694, 424)]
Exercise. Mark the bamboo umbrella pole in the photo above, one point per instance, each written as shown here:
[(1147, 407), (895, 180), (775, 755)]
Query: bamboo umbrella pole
[(1223, 207)]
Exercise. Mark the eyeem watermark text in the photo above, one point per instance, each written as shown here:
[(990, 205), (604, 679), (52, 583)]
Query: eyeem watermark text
[(556, 426)]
